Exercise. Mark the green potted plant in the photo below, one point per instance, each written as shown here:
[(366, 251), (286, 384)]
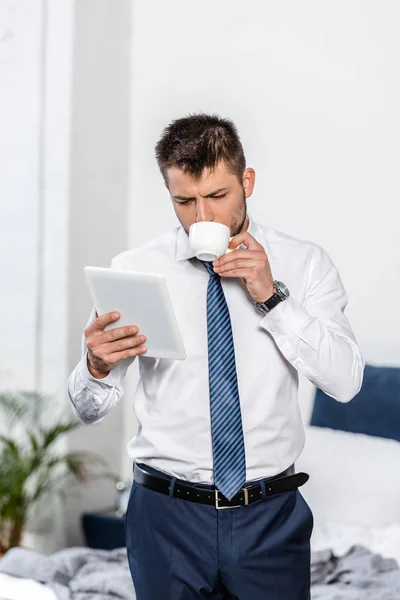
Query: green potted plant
[(31, 465)]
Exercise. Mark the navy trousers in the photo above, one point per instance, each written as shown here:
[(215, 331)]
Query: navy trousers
[(182, 550)]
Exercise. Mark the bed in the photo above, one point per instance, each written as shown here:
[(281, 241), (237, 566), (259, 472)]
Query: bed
[(352, 453)]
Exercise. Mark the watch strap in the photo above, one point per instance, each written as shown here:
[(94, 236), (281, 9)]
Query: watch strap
[(275, 299)]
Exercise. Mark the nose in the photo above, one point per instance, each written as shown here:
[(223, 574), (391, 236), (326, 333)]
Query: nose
[(201, 220), (202, 215)]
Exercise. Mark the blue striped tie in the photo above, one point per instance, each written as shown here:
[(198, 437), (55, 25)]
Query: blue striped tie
[(226, 421)]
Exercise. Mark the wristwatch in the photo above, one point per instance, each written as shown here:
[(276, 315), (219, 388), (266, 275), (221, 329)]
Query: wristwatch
[(281, 292)]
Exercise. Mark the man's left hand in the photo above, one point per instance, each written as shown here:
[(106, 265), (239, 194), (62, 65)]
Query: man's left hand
[(251, 265)]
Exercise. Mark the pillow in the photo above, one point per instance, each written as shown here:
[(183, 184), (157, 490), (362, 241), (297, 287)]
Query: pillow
[(375, 410), (354, 477)]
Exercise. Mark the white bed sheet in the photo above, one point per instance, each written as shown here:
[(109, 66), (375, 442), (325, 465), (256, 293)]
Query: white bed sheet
[(17, 588), (339, 537)]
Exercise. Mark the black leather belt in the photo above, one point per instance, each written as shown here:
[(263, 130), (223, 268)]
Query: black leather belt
[(282, 482)]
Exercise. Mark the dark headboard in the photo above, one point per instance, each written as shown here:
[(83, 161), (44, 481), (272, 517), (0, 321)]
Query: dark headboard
[(375, 410)]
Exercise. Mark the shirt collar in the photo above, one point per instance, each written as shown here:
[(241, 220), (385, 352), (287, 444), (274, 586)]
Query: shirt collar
[(184, 251)]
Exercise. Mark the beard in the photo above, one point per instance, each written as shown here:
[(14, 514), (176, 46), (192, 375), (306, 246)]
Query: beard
[(240, 221)]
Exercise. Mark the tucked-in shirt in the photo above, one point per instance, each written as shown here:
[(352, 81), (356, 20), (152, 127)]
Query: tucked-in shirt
[(307, 333)]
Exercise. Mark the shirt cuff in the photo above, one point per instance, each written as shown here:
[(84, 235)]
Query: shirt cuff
[(290, 317), (92, 382)]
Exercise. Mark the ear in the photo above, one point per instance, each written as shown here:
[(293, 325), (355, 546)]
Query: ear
[(248, 179)]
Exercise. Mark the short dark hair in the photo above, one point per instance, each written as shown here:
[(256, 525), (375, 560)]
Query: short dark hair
[(200, 141)]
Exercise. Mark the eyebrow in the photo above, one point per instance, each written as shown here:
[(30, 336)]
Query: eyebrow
[(206, 196)]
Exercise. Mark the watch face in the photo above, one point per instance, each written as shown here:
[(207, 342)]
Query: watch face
[(281, 288)]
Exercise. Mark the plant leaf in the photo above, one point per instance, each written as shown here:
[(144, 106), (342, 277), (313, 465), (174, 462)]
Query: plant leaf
[(53, 433)]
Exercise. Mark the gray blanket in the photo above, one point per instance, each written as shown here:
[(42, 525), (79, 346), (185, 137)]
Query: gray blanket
[(358, 575), (75, 573), (86, 574)]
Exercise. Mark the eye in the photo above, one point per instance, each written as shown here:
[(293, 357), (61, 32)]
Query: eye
[(187, 201)]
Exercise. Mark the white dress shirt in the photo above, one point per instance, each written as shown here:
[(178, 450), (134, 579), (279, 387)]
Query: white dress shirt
[(307, 333)]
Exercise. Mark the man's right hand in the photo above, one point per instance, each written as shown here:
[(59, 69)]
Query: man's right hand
[(107, 348)]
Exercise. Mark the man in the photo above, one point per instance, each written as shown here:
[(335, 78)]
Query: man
[(215, 510)]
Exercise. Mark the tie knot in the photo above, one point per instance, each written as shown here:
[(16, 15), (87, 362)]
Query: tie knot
[(209, 266)]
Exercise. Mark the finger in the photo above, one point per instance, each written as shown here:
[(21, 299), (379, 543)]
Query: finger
[(117, 356), (101, 343), (104, 320), (236, 254), (122, 344), (237, 273), (237, 264), (247, 239), (117, 333)]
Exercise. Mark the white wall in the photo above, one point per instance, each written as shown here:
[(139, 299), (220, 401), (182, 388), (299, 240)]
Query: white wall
[(314, 90), (20, 126), (64, 145), (98, 206), (35, 81)]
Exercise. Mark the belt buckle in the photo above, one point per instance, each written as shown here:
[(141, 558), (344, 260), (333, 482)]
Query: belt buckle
[(246, 500)]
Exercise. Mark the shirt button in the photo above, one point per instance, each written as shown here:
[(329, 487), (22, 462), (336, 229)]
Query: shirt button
[(272, 328), (297, 362)]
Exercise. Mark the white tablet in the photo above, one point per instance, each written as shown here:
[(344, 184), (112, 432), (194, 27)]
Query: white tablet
[(141, 299)]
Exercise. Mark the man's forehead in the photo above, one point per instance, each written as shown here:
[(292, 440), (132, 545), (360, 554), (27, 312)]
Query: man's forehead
[(217, 177)]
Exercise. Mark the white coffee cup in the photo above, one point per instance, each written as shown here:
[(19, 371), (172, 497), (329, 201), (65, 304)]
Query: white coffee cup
[(209, 239)]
